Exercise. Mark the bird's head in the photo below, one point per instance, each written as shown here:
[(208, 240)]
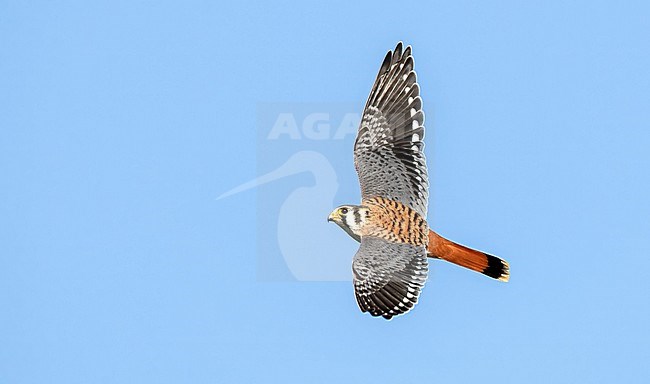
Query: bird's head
[(351, 218)]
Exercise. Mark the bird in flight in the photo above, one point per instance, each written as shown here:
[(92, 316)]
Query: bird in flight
[(390, 267)]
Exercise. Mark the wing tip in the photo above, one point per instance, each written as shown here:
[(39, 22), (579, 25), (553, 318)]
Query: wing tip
[(398, 55)]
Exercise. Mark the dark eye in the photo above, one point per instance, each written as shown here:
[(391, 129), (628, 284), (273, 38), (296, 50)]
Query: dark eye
[(344, 210)]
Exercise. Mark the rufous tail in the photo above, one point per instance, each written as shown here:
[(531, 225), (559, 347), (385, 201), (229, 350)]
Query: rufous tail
[(492, 266)]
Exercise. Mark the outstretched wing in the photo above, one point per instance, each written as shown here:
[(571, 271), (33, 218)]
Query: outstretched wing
[(388, 151), (388, 277)]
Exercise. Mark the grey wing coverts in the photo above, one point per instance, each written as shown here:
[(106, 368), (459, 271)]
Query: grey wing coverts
[(388, 151), (389, 158), (388, 277)]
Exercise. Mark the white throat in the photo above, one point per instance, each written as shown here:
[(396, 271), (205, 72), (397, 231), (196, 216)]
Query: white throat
[(356, 219)]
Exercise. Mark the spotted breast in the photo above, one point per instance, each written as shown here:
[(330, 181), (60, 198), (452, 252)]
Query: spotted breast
[(395, 222)]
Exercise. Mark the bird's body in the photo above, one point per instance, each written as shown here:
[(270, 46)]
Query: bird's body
[(391, 266), (388, 219)]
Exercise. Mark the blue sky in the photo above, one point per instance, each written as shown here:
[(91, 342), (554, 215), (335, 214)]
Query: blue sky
[(121, 123)]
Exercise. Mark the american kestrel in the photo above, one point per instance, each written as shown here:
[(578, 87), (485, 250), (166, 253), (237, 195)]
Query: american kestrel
[(390, 267)]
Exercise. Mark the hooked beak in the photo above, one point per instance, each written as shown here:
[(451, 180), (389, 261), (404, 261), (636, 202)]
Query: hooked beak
[(334, 216)]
